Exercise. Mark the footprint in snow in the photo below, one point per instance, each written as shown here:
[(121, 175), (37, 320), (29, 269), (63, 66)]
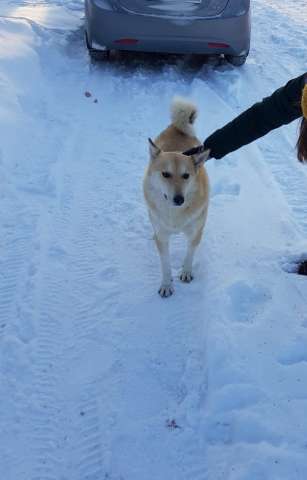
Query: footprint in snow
[(237, 397), (224, 187), (293, 354), (251, 428), (248, 428), (246, 301), (219, 432), (57, 252)]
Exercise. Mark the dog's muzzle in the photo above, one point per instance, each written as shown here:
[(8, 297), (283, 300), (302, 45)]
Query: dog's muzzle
[(178, 200)]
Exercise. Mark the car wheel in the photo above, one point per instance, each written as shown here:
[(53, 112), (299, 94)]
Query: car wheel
[(236, 60), (95, 54), (99, 55)]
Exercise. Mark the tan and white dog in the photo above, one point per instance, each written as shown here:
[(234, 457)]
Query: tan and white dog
[(176, 190)]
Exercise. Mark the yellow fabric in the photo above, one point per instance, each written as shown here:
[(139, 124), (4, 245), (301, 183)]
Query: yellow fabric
[(304, 102)]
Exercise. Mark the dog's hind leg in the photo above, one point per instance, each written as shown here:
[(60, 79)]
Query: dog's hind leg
[(162, 242), (193, 242)]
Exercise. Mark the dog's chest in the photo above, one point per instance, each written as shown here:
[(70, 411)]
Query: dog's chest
[(175, 220)]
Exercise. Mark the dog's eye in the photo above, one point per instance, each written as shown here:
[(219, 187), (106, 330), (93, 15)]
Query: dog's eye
[(166, 174), (185, 176)]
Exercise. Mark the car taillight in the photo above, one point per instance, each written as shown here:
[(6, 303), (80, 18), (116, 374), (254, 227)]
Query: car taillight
[(218, 45)]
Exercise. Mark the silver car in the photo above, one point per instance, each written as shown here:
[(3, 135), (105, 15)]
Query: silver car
[(183, 26)]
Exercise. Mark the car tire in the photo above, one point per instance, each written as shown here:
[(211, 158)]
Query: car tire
[(236, 60), (99, 55), (96, 55)]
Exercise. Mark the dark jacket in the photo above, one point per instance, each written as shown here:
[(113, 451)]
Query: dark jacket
[(282, 107)]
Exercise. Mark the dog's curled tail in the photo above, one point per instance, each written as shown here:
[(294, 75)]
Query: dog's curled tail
[(183, 114)]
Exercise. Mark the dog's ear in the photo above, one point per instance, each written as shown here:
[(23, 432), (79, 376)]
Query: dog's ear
[(200, 157), (153, 149)]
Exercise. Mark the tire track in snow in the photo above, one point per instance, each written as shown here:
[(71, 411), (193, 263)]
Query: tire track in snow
[(82, 311), (85, 450), (65, 439), (94, 299), (53, 414), (87, 314), (90, 464), (49, 416), (31, 302), (17, 247), (65, 432), (48, 411)]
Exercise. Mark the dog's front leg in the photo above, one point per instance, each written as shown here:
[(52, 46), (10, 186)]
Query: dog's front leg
[(193, 239), (162, 242)]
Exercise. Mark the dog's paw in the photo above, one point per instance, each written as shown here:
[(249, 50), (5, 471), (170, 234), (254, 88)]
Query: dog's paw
[(166, 290), (186, 277)]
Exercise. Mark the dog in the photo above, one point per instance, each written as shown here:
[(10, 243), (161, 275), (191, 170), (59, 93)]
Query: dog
[(176, 190)]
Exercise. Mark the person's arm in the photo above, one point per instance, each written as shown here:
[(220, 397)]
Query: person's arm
[(281, 108)]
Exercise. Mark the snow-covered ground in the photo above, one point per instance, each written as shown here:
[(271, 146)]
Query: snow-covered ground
[(100, 378)]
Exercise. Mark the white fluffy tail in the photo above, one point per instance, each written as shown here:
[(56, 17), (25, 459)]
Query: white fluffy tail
[(183, 114)]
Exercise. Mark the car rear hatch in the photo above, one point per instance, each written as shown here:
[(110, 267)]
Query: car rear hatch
[(175, 8)]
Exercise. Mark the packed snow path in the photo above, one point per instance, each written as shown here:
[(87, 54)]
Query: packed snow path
[(100, 378)]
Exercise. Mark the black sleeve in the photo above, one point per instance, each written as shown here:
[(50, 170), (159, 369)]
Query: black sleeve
[(282, 107)]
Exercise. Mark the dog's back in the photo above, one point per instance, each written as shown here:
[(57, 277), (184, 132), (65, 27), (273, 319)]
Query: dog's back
[(180, 135)]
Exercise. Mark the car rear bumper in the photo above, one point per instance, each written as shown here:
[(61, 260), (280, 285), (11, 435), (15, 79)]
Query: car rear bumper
[(106, 28)]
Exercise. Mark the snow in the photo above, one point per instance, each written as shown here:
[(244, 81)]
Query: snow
[(61, 15), (101, 378)]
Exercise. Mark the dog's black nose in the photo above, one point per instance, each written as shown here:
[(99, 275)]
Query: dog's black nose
[(178, 200)]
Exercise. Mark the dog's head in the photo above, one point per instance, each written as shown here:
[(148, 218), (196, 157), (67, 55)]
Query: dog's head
[(173, 174)]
